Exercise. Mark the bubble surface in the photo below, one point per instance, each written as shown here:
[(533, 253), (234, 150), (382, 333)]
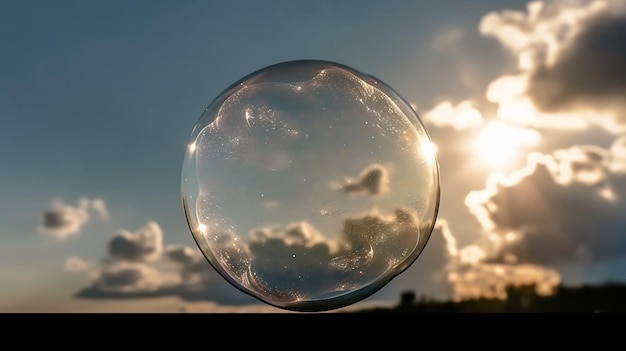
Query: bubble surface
[(310, 185)]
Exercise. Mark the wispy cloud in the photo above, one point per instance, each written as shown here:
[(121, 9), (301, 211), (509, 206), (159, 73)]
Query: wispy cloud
[(75, 264)]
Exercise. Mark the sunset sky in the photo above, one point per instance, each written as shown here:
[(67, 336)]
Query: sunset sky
[(525, 102)]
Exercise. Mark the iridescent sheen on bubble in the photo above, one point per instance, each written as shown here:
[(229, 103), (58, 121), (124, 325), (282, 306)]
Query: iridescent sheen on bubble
[(310, 185)]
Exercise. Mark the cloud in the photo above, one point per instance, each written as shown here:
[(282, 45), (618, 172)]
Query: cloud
[(281, 264), (286, 263), (62, 221), (184, 255), (371, 246), (144, 245), (460, 116), (379, 240), (138, 266), (447, 39), (570, 58), (618, 155), (563, 207), (374, 180), (75, 264), (491, 280), (590, 71), (130, 279), (100, 207), (280, 256), (472, 276), (192, 265)]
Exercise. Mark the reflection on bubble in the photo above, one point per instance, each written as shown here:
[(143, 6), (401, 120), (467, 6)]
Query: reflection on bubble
[(310, 185)]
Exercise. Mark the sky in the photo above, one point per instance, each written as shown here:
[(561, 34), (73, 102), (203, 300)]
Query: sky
[(523, 101)]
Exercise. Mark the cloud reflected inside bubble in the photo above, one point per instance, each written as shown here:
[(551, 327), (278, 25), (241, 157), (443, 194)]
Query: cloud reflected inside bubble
[(281, 263), (256, 187)]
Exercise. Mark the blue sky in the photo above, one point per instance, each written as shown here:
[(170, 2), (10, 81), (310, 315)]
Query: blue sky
[(98, 99)]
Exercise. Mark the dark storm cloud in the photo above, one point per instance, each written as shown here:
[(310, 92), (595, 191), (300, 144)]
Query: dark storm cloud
[(589, 71), (564, 207)]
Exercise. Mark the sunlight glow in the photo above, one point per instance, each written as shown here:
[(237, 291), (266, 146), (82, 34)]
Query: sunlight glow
[(202, 228), (192, 147), (428, 149), (498, 143)]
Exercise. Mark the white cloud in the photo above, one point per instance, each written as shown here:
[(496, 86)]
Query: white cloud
[(460, 116)]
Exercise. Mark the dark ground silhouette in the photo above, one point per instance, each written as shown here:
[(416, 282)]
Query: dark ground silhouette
[(607, 298)]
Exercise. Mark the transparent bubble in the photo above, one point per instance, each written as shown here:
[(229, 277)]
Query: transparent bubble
[(310, 185)]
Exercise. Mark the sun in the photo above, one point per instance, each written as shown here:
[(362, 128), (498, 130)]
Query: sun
[(495, 145), (499, 144)]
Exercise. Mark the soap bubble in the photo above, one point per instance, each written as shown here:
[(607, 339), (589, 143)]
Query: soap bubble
[(310, 185)]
